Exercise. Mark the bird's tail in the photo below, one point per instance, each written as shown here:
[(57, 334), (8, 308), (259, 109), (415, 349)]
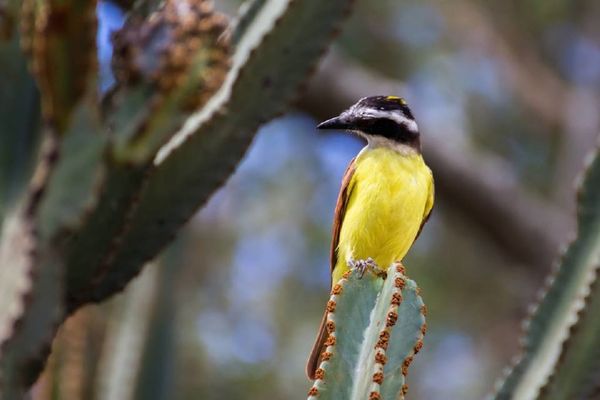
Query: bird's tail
[(317, 350)]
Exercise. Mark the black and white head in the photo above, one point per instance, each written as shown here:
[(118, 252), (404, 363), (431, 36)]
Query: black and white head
[(381, 120)]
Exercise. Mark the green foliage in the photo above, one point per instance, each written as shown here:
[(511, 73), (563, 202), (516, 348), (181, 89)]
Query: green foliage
[(375, 328), (117, 178), (560, 356)]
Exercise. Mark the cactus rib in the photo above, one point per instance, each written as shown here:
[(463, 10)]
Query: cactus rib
[(375, 328), (551, 323)]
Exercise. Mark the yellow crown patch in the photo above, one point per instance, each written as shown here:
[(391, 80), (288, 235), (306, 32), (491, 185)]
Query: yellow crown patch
[(396, 99)]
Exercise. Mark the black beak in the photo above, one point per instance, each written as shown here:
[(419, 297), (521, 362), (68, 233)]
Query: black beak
[(338, 122)]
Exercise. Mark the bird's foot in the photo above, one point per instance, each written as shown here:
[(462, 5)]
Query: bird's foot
[(362, 266)]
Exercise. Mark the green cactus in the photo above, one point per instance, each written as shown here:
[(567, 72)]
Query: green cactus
[(61, 47), (137, 352), (560, 352), (30, 308), (19, 136), (134, 335), (116, 178), (375, 328), (180, 180)]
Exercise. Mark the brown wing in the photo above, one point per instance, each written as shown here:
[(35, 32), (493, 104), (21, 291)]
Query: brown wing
[(340, 210), (428, 207)]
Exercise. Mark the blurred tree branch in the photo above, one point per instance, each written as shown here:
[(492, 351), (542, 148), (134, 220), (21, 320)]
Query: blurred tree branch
[(482, 187), (567, 109), (539, 88)]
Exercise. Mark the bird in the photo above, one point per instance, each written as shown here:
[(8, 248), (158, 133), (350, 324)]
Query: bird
[(386, 195)]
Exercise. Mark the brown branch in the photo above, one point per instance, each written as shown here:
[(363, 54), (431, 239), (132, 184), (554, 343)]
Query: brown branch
[(481, 186)]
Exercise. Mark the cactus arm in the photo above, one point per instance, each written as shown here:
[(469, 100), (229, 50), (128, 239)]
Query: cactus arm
[(152, 99), (25, 353), (30, 305), (59, 36), (74, 180), (137, 357), (166, 68), (59, 39), (19, 130), (575, 372), (155, 378), (119, 178), (247, 15), (123, 350), (205, 151), (70, 371), (18, 244), (551, 324), (61, 49), (375, 330), (183, 179), (89, 249)]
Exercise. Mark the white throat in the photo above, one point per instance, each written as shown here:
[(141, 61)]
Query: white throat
[(376, 142)]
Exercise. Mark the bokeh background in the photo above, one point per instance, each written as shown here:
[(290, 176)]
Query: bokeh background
[(507, 96)]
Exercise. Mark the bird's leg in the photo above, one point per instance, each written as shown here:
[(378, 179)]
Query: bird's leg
[(369, 264)]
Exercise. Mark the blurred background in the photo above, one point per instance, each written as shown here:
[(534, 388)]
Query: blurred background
[(507, 96)]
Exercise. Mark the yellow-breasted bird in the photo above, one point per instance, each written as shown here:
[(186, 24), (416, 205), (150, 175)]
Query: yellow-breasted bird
[(386, 194)]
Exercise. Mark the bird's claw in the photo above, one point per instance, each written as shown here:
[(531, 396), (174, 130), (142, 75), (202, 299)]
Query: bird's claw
[(361, 266)]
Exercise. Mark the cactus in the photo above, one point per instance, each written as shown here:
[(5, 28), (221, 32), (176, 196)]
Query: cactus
[(30, 307), (139, 340), (117, 177), (223, 129), (375, 328), (19, 136), (71, 369), (560, 350), (123, 349)]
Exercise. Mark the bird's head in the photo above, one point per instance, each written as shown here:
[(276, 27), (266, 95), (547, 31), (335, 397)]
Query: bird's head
[(381, 120)]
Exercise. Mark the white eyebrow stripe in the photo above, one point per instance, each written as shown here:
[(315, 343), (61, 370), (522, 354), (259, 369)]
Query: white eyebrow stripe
[(410, 124)]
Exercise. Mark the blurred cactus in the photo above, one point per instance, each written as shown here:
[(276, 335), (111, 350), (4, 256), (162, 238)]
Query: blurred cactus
[(375, 328), (123, 350), (117, 177), (137, 356), (560, 350)]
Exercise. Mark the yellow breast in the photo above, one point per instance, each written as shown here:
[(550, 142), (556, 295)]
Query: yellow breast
[(390, 195)]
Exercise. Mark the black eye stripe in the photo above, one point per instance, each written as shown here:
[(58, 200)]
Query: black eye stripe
[(388, 128)]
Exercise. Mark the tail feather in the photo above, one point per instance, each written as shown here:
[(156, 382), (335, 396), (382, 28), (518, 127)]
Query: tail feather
[(315, 355)]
